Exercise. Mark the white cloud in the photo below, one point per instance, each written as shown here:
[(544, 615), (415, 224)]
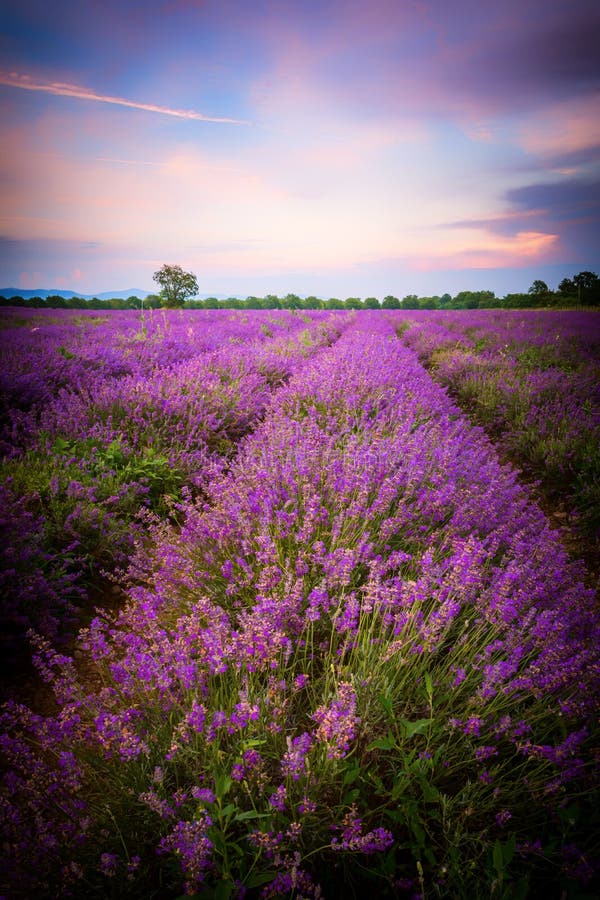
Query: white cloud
[(59, 89)]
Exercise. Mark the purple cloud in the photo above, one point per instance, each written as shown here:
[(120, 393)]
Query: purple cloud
[(524, 54), (570, 209)]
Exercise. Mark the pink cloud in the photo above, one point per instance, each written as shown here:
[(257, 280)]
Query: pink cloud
[(490, 252), (29, 281), (563, 128)]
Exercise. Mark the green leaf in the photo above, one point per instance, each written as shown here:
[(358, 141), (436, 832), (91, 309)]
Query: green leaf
[(508, 850), (417, 727), (218, 839), (417, 830), (253, 742), (428, 685), (388, 865), (386, 743), (61, 445), (259, 878), (251, 814), (233, 848), (223, 890), (498, 858), (399, 786), (395, 815), (387, 705), (351, 774), (222, 785), (430, 792), (351, 796)]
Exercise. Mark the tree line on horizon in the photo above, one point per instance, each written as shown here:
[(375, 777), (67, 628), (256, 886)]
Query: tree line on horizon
[(583, 289)]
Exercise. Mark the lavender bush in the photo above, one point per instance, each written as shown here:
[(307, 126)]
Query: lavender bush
[(361, 663), (106, 416), (533, 379)]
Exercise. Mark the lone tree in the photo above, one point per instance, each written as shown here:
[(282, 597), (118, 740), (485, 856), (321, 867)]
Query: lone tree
[(539, 287), (176, 285)]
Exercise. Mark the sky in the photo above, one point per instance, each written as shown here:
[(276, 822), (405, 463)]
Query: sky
[(330, 147)]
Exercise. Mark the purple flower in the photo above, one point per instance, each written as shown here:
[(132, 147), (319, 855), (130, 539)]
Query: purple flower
[(109, 863), (278, 799), (203, 794), (353, 839), (306, 806), (485, 752), (294, 759), (300, 681), (196, 717), (188, 841), (337, 722)]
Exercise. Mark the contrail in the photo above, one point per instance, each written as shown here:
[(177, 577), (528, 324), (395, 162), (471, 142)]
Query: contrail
[(59, 89), (128, 162)]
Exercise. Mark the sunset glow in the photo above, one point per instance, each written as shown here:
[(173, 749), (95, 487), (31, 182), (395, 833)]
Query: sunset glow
[(335, 148)]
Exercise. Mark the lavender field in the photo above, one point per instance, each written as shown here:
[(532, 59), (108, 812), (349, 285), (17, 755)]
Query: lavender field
[(532, 379), (339, 650)]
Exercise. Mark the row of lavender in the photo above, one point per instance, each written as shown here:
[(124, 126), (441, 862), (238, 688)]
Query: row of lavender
[(45, 350), (533, 379), (104, 415), (363, 665)]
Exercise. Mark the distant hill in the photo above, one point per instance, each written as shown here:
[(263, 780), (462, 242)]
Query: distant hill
[(55, 292), (106, 295)]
